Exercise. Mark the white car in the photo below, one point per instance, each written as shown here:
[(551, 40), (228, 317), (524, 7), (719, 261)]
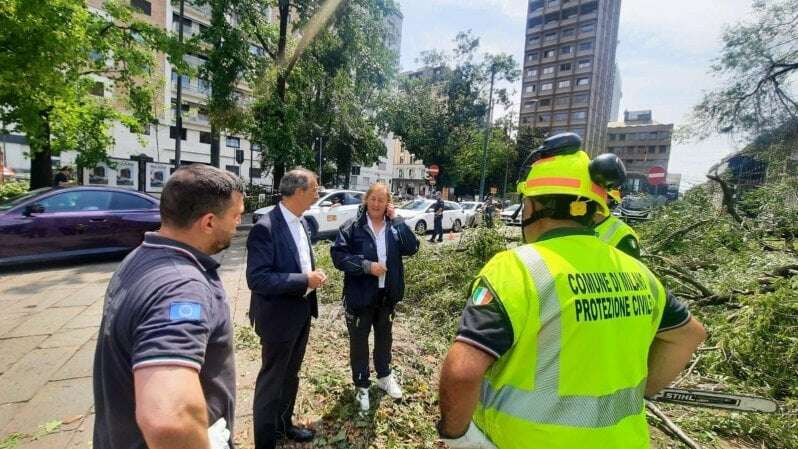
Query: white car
[(507, 215), (473, 211), (328, 213), (418, 214)]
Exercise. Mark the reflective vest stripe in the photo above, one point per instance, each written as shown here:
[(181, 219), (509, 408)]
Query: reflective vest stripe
[(607, 235), (544, 405)]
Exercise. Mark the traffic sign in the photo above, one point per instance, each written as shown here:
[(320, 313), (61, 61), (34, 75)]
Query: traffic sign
[(656, 176), (434, 170)]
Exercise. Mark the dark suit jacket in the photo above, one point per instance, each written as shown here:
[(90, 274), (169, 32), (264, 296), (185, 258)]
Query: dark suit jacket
[(278, 308)]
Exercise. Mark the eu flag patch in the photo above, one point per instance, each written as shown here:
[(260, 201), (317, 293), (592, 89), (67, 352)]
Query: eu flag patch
[(191, 311)]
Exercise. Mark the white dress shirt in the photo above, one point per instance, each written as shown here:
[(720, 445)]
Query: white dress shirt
[(379, 240), (300, 240)]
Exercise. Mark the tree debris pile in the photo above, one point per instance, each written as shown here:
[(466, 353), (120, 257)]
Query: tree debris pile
[(740, 278)]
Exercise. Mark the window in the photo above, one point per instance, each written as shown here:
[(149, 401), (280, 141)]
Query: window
[(232, 169), (565, 67), (612, 138), (255, 172), (568, 32), (531, 72), (652, 149), (564, 83), (583, 81), (534, 39), (589, 27), (530, 88), (142, 5), (546, 86), (98, 89), (351, 199), (569, 13), (382, 166), (663, 149), (545, 102), (184, 79), (126, 201), (355, 170), (588, 8), (548, 54), (580, 99), (233, 142), (561, 100), (548, 70), (530, 104), (77, 201), (544, 117), (560, 116), (448, 205), (586, 45), (621, 137), (173, 133), (566, 49), (535, 22), (532, 57), (552, 17), (366, 180), (205, 137), (585, 64), (536, 5), (550, 36), (579, 115), (401, 173)]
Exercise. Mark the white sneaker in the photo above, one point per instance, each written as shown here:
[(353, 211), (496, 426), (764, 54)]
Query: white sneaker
[(362, 398), (389, 385)]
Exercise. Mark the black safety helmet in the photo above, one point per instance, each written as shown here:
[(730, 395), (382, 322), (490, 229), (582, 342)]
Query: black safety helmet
[(608, 171), (563, 143)]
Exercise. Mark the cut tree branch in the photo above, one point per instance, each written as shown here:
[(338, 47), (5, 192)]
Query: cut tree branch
[(671, 426), (728, 198)]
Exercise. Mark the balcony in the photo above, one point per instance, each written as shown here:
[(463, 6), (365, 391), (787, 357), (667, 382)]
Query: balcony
[(204, 10)]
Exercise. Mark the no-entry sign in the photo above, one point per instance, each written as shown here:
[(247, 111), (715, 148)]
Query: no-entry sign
[(656, 176)]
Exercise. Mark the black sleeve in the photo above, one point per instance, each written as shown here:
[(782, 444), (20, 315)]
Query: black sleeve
[(630, 246), (485, 323), (675, 314)]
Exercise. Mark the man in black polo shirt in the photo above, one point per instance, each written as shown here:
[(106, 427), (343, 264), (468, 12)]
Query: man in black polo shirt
[(164, 373)]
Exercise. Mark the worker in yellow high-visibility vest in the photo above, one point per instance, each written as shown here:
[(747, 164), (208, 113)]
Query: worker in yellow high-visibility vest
[(613, 231), (564, 336)]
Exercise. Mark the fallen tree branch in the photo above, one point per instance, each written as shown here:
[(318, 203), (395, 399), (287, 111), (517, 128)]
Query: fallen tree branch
[(678, 233), (689, 280), (671, 426), (728, 198)]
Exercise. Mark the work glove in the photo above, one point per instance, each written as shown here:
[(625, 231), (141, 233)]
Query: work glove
[(219, 435), (472, 439)]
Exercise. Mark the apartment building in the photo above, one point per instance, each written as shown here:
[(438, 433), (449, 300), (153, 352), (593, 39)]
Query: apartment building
[(643, 145), (569, 67)]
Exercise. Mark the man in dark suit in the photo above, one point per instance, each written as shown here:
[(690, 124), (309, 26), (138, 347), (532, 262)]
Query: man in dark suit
[(282, 276)]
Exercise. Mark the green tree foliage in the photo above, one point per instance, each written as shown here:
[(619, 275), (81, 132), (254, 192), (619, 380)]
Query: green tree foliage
[(53, 54), (319, 76), (757, 64), (440, 118)]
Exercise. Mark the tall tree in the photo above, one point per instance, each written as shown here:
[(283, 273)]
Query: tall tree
[(758, 63), (58, 60), (438, 116)]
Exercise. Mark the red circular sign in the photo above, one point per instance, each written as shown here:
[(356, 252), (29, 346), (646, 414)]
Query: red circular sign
[(434, 170), (656, 176)]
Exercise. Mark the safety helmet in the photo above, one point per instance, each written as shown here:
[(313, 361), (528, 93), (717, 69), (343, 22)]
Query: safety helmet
[(561, 167)]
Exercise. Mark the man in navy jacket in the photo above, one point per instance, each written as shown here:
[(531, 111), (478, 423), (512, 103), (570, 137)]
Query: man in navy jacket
[(282, 277)]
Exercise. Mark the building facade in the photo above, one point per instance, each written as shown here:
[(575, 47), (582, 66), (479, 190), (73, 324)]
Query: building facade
[(569, 67), (409, 175), (643, 145)]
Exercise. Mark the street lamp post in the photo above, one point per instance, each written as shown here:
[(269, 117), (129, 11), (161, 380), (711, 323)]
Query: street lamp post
[(488, 120), (179, 111)]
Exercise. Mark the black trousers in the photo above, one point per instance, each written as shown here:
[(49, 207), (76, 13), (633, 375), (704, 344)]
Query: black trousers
[(438, 229), (359, 323), (276, 387)]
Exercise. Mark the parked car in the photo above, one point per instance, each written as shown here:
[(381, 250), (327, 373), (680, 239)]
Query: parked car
[(506, 215), (474, 211), (418, 214), (635, 208), (327, 214), (55, 223)]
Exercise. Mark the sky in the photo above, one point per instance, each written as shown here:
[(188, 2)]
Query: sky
[(665, 50)]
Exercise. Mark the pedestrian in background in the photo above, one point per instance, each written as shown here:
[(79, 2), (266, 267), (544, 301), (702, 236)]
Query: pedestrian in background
[(164, 367), (282, 275), (62, 178), (490, 210), (437, 210), (369, 250)]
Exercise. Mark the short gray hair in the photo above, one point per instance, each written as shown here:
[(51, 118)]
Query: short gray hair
[(298, 178)]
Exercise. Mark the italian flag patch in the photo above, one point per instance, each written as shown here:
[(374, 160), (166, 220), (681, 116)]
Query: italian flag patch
[(481, 296)]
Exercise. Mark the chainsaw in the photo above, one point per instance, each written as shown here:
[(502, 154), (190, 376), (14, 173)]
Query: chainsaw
[(711, 399)]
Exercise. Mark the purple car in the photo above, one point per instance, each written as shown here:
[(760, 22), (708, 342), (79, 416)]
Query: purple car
[(52, 223)]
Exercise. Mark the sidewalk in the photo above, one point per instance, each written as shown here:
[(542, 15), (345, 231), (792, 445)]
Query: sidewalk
[(48, 332)]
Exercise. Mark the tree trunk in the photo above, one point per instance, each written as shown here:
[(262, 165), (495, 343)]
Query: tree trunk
[(41, 165), (282, 40)]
